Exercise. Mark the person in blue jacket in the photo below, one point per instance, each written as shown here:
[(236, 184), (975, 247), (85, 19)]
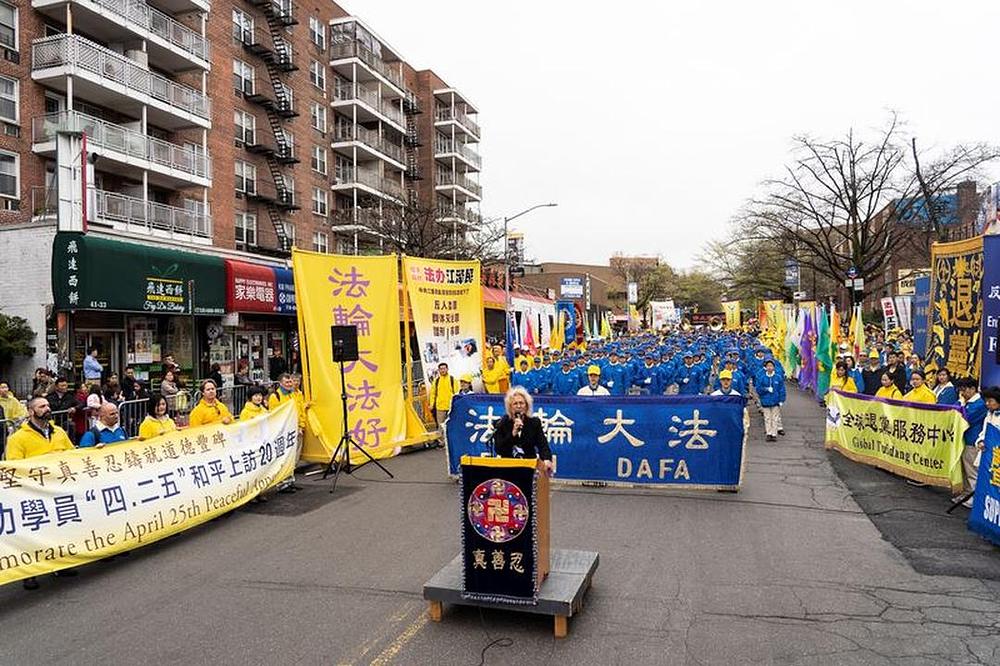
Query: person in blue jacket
[(650, 380), (613, 375), (107, 429), (524, 377), (567, 380), (688, 376), (771, 389), (944, 390), (975, 413)]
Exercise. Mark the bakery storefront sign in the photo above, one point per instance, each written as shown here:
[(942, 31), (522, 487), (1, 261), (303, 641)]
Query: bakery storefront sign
[(95, 273)]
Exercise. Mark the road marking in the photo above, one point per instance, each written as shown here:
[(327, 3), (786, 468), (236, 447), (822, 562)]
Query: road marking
[(381, 633), (394, 648)]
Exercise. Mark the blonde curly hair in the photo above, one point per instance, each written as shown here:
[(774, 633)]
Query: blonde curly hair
[(517, 390)]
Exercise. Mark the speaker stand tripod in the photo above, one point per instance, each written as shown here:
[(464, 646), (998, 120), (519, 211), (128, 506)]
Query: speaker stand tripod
[(341, 458)]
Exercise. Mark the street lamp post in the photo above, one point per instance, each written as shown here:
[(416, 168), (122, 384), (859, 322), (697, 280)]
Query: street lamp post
[(506, 263)]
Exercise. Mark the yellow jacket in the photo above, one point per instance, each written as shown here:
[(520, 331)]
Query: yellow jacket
[(921, 394), (845, 384), (251, 410), (204, 413), (491, 378), (442, 392), (12, 408), (153, 427), (889, 391), (26, 442), (280, 396)]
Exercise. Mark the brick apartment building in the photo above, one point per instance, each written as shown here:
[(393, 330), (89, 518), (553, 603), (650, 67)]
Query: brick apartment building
[(224, 134)]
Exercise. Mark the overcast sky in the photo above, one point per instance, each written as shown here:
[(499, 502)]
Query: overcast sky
[(649, 123)]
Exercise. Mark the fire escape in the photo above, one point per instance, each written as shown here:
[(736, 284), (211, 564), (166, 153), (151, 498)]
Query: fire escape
[(411, 108), (280, 200)]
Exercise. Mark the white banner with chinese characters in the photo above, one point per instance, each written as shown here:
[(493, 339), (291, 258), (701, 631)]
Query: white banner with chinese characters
[(70, 508)]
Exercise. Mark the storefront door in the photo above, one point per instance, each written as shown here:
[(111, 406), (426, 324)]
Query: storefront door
[(109, 349)]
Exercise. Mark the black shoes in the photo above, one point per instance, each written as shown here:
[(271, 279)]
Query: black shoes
[(770, 438), (781, 432)]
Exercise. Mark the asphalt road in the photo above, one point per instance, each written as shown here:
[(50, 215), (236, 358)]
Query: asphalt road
[(789, 570)]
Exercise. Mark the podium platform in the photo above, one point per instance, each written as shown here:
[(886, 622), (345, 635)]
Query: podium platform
[(561, 594)]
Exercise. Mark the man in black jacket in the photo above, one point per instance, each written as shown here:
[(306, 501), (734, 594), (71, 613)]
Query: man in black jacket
[(63, 404), (897, 372), (872, 374)]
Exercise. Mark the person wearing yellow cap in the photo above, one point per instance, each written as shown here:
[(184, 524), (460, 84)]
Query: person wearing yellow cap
[(465, 384), (725, 384), (593, 386), (872, 374)]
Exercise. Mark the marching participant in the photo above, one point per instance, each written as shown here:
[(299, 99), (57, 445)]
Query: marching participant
[(593, 387)]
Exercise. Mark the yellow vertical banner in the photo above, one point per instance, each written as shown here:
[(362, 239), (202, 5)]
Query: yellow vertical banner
[(775, 315), (732, 310), (447, 304), (337, 290)]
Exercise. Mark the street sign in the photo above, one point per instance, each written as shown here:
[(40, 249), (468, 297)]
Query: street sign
[(571, 287), (791, 273), (799, 295), (633, 293), (857, 283), (852, 272), (517, 271)]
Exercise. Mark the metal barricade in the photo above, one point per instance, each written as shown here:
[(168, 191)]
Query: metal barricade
[(130, 416)]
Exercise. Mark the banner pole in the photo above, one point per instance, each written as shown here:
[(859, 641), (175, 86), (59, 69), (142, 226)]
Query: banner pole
[(408, 356)]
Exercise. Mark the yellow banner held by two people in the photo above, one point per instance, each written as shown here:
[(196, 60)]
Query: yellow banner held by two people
[(916, 441), (338, 290), (69, 508), (732, 310)]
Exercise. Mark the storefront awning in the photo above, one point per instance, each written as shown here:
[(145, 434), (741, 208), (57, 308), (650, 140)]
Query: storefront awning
[(258, 288), (94, 273), (493, 298)]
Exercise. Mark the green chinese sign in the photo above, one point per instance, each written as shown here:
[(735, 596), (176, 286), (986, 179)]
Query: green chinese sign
[(93, 273)]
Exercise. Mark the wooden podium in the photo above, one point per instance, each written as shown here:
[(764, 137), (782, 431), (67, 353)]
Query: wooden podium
[(505, 560)]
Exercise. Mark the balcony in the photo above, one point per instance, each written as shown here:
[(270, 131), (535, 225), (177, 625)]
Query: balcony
[(261, 44), (125, 151), (131, 214), (368, 101), (449, 180), (466, 216), (347, 50), (109, 79), (444, 115), (171, 45), (266, 192), (377, 145), (445, 148), (370, 181)]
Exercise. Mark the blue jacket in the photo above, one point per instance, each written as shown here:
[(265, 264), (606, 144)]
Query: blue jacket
[(975, 414), (105, 436), (949, 396), (525, 379), (613, 378), (689, 380), (566, 383), (770, 389)]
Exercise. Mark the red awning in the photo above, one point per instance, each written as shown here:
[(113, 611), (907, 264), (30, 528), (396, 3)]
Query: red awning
[(493, 298), (250, 287)]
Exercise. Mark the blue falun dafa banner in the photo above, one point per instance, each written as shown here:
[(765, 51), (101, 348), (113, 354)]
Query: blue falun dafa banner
[(690, 441), (984, 519)]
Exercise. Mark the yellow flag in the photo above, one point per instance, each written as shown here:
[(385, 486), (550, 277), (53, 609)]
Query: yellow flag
[(361, 292)]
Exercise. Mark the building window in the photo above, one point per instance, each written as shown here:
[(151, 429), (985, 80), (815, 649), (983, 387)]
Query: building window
[(320, 201), (8, 99), (245, 230), (246, 127), (287, 148), (289, 232), (318, 115), (287, 92), (321, 242), (246, 177), (8, 26), (317, 34), (319, 159), (243, 77), (242, 26), (317, 75), (344, 170)]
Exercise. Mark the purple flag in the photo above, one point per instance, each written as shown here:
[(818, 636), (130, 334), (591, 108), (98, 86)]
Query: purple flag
[(807, 376)]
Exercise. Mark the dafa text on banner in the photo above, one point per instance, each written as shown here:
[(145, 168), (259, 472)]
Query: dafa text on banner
[(916, 441), (69, 508), (338, 290), (446, 298)]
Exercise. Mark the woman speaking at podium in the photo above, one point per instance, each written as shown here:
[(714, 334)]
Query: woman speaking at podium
[(518, 434)]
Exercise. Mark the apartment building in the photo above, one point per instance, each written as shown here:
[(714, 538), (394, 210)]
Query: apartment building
[(219, 136)]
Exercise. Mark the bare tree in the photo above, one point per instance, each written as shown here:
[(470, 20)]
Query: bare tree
[(852, 202), (420, 231), (651, 274), (747, 270)]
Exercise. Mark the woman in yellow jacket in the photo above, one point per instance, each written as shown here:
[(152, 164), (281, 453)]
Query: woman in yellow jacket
[(842, 380), (255, 404), (888, 389), (209, 409), (492, 374), (919, 392), (157, 421)]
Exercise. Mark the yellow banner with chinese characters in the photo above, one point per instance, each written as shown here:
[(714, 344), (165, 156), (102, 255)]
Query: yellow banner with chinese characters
[(446, 298), (732, 310), (956, 307), (337, 290), (68, 508), (774, 312), (916, 441)]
